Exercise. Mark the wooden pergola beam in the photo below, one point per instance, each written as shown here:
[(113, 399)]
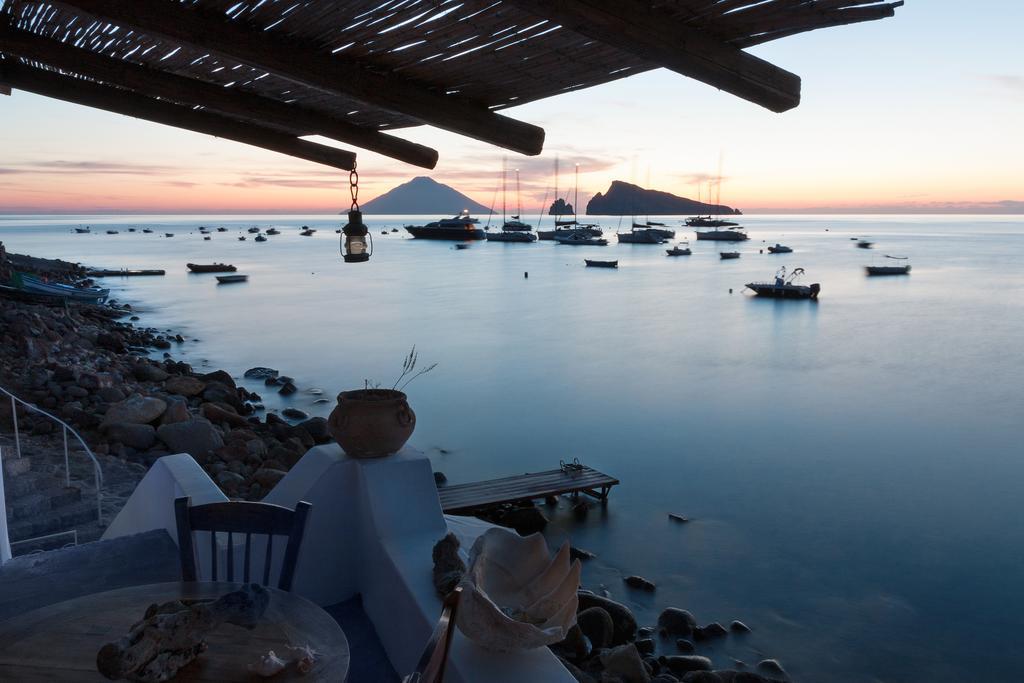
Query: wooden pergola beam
[(231, 101), (80, 91), (296, 62), (634, 26)]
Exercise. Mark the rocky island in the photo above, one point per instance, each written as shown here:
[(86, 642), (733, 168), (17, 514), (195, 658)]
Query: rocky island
[(626, 199)]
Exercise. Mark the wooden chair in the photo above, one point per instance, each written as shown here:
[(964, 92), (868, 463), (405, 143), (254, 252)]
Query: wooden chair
[(240, 518), (435, 656)]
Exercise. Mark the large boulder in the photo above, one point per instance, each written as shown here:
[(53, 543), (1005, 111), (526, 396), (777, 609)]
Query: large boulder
[(597, 624), (216, 413), (139, 436), (136, 409), (177, 411), (682, 664), (219, 376), (622, 617), (196, 437), (676, 622), (625, 662), (183, 385), (218, 392), (146, 372)]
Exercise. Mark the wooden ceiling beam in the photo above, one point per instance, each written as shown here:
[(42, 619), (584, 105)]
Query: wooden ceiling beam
[(79, 91), (299, 63), (234, 102), (635, 27)]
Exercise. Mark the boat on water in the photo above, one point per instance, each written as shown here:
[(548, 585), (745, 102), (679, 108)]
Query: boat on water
[(460, 227), (893, 269), (261, 238), (147, 231), (83, 231), (253, 230), (211, 267), (206, 238), (307, 232), (580, 239), (241, 238), (511, 236), (780, 249), (273, 231), (462, 245), (591, 263), (131, 229), (661, 229), (785, 288), (564, 228), (679, 250), (864, 244), (30, 284), (735, 234), (168, 234), (640, 235), (394, 229), (112, 232), (708, 222), (516, 225), (727, 255), (222, 229), (228, 279)]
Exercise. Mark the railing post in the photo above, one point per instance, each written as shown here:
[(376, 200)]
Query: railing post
[(67, 466), (14, 416), (99, 494)]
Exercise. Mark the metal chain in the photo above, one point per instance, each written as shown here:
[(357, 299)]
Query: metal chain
[(353, 186)]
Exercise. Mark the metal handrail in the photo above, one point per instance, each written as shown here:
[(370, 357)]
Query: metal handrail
[(97, 470)]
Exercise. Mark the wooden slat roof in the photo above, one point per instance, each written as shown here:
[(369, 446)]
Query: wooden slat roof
[(381, 65)]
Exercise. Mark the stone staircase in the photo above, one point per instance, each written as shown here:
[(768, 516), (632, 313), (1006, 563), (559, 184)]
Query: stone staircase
[(39, 503)]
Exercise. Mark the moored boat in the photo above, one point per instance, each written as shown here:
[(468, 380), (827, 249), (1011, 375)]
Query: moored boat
[(679, 250), (222, 229), (894, 269), (591, 263), (168, 234), (708, 222), (112, 232), (864, 244), (640, 235), (147, 231), (261, 238), (33, 285), (780, 249), (211, 267), (511, 236), (253, 230), (727, 255), (785, 288), (273, 231), (83, 231), (227, 279), (735, 234), (461, 227), (580, 239)]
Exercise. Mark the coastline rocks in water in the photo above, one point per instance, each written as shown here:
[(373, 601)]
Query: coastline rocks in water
[(639, 582), (645, 646), (685, 646), (135, 409), (216, 413), (624, 661), (108, 394), (196, 437), (260, 373), (138, 436), (622, 617), (597, 625), (448, 565), (738, 626), (287, 389), (575, 671), (145, 372), (676, 622), (771, 666), (218, 392), (574, 647), (295, 414), (712, 630), (525, 520), (682, 664), (702, 677), (219, 376), (183, 385), (580, 554), (316, 427), (177, 411)]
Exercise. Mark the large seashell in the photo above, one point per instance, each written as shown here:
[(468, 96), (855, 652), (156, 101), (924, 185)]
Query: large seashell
[(515, 596)]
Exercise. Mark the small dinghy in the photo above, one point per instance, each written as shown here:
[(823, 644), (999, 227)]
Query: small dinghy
[(147, 231), (591, 263), (307, 232), (273, 231), (168, 234), (780, 249), (261, 238), (679, 250), (112, 232), (785, 288), (462, 246), (206, 239), (726, 255), (241, 238), (253, 230), (83, 231), (864, 244), (228, 279), (211, 267), (222, 229), (892, 269)]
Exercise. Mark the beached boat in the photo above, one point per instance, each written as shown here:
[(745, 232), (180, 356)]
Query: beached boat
[(106, 272), (211, 267), (727, 255), (780, 249), (894, 269), (261, 238), (461, 227), (591, 263), (228, 279), (785, 288), (580, 239), (640, 235), (679, 251), (83, 231), (511, 236), (31, 284), (727, 235)]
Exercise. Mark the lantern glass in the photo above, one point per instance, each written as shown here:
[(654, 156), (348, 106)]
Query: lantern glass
[(356, 246)]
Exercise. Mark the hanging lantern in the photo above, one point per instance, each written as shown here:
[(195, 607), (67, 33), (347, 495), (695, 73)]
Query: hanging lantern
[(357, 245)]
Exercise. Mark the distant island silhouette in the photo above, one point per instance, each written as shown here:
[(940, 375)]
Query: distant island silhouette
[(423, 195), (560, 207), (626, 199)]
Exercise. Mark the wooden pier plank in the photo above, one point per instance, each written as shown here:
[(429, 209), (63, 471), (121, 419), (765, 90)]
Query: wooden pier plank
[(480, 494)]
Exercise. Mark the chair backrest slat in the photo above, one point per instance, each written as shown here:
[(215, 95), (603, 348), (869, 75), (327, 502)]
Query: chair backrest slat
[(435, 656), (243, 518)]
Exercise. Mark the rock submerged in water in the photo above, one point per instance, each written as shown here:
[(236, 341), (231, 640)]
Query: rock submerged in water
[(640, 583), (622, 618), (295, 414), (624, 661), (597, 625), (676, 622), (260, 373), (183, 385), (682, 664), (580, 554), (771, 666), (737, 626), (287, 389), (712, 630)]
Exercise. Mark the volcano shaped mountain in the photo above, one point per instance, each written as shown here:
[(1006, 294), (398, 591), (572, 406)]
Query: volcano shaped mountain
[(423, 195)]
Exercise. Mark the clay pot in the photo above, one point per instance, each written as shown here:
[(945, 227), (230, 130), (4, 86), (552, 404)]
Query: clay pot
[(371, 423)]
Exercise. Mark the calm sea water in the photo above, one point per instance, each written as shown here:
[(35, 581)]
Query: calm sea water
[(852, 467)]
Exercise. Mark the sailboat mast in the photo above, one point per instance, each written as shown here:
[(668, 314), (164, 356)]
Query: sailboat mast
[(519, 201), (576, 199), (503, 172), (557, 213)]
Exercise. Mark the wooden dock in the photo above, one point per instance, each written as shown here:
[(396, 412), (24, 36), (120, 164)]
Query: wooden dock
[(123, 273), (465, 498)]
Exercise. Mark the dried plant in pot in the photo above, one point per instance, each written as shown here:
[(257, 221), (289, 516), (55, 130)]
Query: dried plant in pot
[(373, 422), (515, 594)]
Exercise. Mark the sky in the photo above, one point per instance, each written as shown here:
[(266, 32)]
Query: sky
[(923, 112)]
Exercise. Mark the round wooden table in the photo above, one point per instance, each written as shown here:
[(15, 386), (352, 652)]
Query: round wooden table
[(60, 642)]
